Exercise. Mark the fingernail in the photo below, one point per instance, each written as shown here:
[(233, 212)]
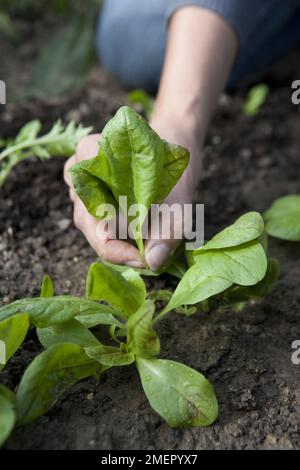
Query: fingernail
[(135, 264), (157, 255)]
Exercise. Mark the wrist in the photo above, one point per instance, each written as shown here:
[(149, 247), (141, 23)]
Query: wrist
[(185, 118)]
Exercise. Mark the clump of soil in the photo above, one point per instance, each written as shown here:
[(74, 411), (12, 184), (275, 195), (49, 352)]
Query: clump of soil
[(246, 355)]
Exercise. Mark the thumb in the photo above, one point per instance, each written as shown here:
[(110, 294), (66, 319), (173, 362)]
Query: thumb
[(165, 234)]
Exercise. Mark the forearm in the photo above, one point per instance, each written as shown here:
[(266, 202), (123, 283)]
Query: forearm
[(200, 52)]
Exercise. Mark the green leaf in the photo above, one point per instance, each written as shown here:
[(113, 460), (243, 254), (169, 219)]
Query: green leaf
[(246, 228), (12, 332), (92, 191), (29, 132), (141, 337), (264, 288), (48, 376), (195, 287), (283, 218), (48, 311), (180, 395), (69, 332), (47, 289), (257, 96), (125, 292), (103, 318), (59, 142), (7, 413), (245, 265), (109, 356), (217, 270), (134, 162)]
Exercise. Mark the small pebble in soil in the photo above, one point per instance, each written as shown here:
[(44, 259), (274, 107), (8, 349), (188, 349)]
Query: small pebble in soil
[(63, 224)]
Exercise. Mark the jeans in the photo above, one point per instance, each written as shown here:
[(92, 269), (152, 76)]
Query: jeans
[(132, 35)]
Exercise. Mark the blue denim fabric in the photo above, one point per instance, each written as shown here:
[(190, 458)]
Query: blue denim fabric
[(132, 35)]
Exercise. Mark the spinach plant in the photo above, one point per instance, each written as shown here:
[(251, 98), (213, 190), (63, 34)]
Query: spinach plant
[(133, 161), (231, 268), (283, 218), (234, 257), (60, 141)]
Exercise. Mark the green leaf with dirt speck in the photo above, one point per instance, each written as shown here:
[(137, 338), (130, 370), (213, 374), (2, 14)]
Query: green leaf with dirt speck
[(180, 395), (108, 356)]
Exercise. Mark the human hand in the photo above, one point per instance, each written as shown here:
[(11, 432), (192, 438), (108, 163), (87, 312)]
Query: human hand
[(159, 247)]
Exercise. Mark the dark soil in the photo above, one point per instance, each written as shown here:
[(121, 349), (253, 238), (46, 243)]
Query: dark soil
[(247, 355)]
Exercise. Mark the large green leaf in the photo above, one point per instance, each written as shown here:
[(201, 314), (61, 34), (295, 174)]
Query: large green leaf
[(12, 332), (47, 311), (245, 265), (68, 332), (283, 218), (240, 294), (195, 287), (217, 270), (180, 395), (7, 413), (124, 291), (141, 337), (48, 376), (246, 228), (109, 356), (133, 162)]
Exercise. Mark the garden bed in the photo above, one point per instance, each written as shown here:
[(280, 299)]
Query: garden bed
[(248, 163)]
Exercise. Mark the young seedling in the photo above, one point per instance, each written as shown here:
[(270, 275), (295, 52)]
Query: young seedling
[(283, 218), (134, 162), (234, 257), (231, 268), (60, 141), (256, 98)]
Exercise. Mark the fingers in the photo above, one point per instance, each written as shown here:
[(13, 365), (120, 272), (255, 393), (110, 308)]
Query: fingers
[(169, 225), (157, 252), (102, 239)]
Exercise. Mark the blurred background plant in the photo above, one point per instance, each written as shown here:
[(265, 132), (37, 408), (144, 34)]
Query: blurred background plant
[(64, 62)]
